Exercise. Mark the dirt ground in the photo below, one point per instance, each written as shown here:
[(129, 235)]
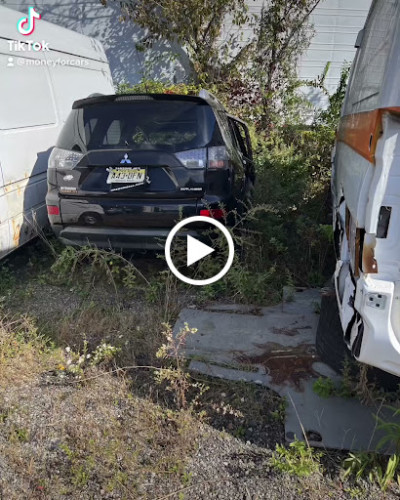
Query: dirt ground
[(82, 416)]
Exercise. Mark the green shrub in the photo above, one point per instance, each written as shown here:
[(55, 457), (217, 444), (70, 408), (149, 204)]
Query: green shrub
[(158, 87), (296, 236), (376, 468), (324, 387), (298, 460)]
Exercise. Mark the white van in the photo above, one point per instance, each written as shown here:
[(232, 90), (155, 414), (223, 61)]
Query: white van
[(366, 201), (37, 89)]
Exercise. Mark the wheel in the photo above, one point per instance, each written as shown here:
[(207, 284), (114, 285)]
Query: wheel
[(383, 380), (329, 342), (332, 348)]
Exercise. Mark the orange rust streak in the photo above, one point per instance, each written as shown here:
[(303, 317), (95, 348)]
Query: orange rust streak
[(370, 264), (361, 131), (16, 232), (357, 253), (356, 131)]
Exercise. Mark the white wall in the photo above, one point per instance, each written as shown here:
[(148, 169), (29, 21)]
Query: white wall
[(90, 18), (336, 24)]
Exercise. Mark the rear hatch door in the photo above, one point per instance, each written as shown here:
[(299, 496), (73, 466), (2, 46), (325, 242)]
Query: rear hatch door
[(146, 147)]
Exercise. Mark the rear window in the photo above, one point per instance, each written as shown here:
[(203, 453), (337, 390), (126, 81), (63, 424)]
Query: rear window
[(151, 125)]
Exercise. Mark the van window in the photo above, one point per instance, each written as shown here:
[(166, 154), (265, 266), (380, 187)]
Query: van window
[(26, 94), (369, 68), (149, 125)]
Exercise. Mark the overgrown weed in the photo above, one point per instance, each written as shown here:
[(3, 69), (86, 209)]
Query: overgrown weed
[(298, 459)]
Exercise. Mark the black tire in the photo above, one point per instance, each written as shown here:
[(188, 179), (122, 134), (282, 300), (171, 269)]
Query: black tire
[(383, 380), (329, 342), (332, 348)]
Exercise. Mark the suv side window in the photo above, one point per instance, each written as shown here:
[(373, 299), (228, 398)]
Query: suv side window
[(241, 135)]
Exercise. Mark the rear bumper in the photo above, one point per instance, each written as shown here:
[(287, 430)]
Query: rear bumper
[(131, 223), (116, 238), (377, 301)]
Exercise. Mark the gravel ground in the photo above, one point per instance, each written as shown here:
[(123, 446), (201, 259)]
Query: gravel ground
[(160, 455), (225, 468)]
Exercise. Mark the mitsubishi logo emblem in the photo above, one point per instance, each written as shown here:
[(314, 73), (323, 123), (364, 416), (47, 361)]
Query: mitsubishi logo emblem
[(126, 159)]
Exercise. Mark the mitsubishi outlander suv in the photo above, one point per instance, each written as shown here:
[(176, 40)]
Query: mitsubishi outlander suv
[(127, 168)]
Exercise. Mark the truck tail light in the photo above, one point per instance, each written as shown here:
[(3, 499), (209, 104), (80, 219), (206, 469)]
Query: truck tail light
[(215, 213), (53, 210)]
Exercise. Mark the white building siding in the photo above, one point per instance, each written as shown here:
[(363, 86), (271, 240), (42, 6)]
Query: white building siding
[(336, 24), (90, 18)]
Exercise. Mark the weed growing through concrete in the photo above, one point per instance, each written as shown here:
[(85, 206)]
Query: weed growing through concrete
[(324, 387)]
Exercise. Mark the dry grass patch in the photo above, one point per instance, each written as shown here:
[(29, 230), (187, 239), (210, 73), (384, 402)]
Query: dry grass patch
[(136, 331), (62, 436), (24, 352)]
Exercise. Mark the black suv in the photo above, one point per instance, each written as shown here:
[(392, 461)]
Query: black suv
[(127, 168)]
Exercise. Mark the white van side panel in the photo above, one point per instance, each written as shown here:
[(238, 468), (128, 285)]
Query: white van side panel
[(37, 93), (4, 224), (385, 191), (60, 39), (28, 127), (353, 175), (79, 80), (386, 158)]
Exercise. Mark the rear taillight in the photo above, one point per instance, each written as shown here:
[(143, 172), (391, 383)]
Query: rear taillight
[(53, 210), (64, 159), (218, 157), (215, 213), (193, 158)]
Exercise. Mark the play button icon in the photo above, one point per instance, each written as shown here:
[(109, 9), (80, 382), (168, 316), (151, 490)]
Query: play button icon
[(196, 250)]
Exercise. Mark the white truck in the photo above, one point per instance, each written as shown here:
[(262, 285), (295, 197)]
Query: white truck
[(366, 203), (44, 69)]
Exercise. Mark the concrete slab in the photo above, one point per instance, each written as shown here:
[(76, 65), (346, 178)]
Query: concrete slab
[(335, 423), (274, 346)]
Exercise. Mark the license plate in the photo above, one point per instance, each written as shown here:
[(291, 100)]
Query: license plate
[(126, 175)]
